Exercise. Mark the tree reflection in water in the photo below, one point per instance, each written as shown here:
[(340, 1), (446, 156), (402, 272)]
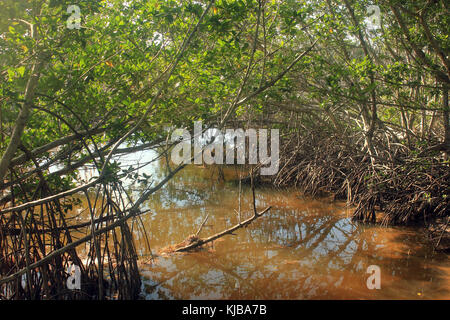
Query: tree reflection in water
[(302, 249)]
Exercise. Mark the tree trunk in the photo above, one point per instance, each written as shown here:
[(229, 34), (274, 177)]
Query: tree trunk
[(446, 120), (22, 119)]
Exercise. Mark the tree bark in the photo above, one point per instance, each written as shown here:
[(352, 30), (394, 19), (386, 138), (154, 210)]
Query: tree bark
[(446, 120)]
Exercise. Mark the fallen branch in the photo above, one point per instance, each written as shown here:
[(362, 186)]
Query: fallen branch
[(201, 226), (18, 231), (194, 242)]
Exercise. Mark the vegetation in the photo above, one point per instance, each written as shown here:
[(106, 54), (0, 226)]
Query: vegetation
[(361, 102)]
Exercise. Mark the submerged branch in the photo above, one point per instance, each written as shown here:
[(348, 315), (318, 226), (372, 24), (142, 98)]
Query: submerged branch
[(197, 242)]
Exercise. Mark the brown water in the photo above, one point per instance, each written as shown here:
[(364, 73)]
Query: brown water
[(301, 249)]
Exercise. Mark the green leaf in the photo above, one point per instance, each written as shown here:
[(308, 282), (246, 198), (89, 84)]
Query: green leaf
[(21, 71)]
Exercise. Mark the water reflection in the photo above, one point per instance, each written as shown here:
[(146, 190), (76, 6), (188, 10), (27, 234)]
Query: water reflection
[(302, 248)]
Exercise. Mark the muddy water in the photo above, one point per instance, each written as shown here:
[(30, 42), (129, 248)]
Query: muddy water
[(301, 249)]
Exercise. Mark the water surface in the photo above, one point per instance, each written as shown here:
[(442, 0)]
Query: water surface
[(301, 249)]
